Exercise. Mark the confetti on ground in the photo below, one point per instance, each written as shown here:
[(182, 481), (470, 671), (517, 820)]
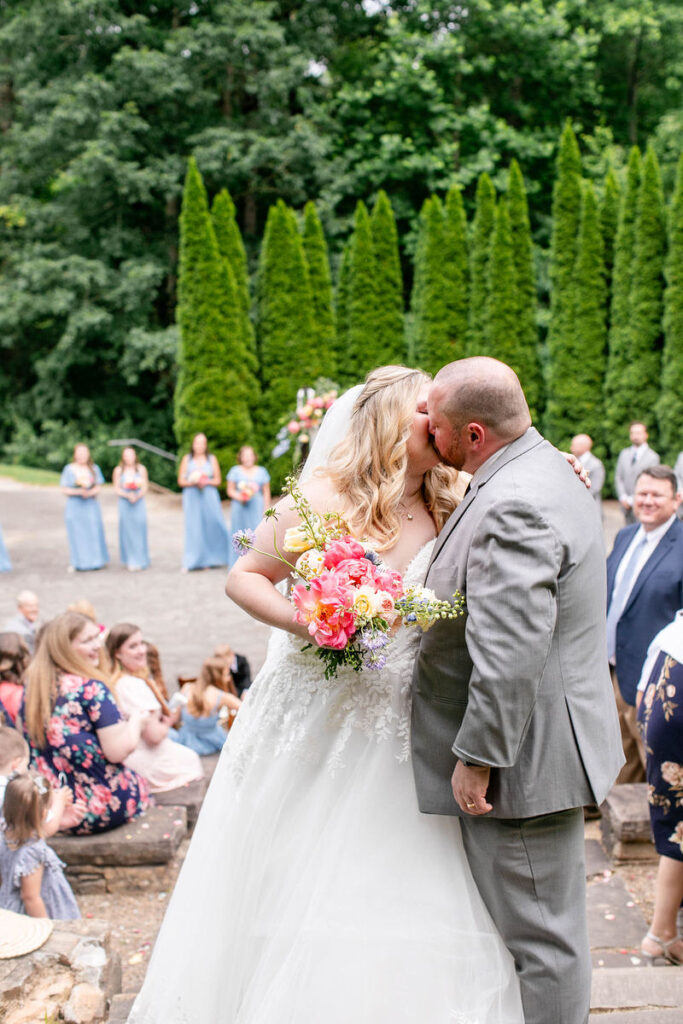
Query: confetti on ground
[(136, 958), (609, 917)]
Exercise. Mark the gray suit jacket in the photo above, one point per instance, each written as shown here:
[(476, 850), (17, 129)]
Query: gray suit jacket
[(627, 471), (520, 682)]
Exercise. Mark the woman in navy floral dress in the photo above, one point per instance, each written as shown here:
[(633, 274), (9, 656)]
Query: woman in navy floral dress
[(74, 728)]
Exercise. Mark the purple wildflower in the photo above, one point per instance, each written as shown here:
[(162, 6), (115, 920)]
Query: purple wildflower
[(242, 540), (375, 662), (372, 641)]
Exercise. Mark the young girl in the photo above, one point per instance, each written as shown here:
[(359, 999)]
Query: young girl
[(200, 728), (14, 758), (33, 882)]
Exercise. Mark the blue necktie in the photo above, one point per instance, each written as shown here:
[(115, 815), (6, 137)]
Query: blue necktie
[(620, 595)]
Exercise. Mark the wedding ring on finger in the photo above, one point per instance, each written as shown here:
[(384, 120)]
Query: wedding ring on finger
[(470, 805)]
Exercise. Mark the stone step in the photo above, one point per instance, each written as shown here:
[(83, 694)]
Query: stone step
[(654, 989), (153, 838), (625, 823), (613, 917), (120, 1007), (637, 1017)]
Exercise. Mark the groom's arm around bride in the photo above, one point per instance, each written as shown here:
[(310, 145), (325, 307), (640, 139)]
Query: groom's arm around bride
[(513, 712)]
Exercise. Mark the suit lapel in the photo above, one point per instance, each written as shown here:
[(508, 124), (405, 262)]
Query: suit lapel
[(522, 444), (659, 553)]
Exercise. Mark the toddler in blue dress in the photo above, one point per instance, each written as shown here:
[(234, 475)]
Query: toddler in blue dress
[(33, 880)]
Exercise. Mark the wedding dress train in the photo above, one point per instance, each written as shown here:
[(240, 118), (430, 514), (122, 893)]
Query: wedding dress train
[(314, 891)]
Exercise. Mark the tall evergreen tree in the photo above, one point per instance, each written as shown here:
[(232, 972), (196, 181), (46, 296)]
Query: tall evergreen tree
[(211, 395), (565, 215), (432, 347), (501, 339), (362, 355), (609, 223), (341, 308), (618, 412), (289, 358), (390, 343), (528, 363), (456, 269), (317, 260), (670, 401), (641, 375), (482, 233)]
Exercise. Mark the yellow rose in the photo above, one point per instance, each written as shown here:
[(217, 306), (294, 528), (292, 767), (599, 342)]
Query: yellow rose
[(364, 604), (296, 539)]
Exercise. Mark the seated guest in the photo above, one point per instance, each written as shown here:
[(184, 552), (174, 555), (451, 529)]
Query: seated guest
[(240, 672), (74, 727), (165, 764), (14, 659), (200, 728), (660, 716), (25, 622)]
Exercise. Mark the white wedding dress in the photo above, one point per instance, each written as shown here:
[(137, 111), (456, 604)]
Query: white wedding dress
[(314, 891)]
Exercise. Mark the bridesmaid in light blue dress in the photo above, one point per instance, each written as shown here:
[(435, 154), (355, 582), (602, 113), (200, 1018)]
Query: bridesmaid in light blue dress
[(81, 481), (5, 563), (249, 490), (206, 534), (130, 483)]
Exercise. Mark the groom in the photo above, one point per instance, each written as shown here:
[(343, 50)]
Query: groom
[(514, 725)]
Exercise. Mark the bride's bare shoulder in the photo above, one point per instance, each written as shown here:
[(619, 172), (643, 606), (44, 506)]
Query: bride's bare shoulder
[(318, 490)]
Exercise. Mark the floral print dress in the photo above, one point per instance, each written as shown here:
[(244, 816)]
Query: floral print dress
[(660, 717), (72, 756)]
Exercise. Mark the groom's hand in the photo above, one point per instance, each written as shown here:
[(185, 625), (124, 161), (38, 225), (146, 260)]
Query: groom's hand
[(469, 789)]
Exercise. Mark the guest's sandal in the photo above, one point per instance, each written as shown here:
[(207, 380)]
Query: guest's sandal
[(665, 950)]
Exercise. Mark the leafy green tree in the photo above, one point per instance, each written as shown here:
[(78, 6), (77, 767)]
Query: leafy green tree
[(640, 380), (318, 263), (432, 347), (670, 401), (211, 395), (389, 344), (618, 412), (362, 354), (563, 249), (527, 359), (482, 233), (501, 341), (456, 270)]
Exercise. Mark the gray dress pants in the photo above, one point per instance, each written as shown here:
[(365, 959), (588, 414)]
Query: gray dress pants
[(531, 875)]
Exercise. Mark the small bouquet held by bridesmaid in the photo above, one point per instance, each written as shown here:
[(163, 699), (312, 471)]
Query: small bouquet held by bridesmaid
[(349, 601)]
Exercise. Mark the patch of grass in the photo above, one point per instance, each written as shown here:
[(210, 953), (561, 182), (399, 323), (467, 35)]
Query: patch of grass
[(29, 475)]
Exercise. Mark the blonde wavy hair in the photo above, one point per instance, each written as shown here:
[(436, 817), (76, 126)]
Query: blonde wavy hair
[(55, 656), (368, 467)]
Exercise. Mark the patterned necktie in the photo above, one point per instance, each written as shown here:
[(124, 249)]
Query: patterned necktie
[(620, 595)]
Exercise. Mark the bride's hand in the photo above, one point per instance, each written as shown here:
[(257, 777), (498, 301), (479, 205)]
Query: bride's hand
[(578, 468)]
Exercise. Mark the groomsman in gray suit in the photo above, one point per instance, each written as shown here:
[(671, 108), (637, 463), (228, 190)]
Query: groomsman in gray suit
[(630, 464), (514, 726), (678, 470), (581, 446)]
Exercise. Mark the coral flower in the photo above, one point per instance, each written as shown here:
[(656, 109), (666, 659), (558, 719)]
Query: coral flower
[(340, 550), (326, 609)]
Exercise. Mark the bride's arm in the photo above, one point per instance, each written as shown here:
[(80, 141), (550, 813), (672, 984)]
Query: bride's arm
[(251, 581)]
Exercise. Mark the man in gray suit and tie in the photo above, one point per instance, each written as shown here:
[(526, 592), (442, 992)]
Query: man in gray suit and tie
[(582, 448), (514, 726), (630, 464)]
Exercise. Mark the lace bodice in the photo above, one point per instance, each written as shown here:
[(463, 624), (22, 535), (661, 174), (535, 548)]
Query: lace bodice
[(282, 710)]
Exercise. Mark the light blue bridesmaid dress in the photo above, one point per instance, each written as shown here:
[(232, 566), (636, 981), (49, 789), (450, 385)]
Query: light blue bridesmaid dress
[(5, 563), (84, 527), (206, 534), (246, 515), (133, 549)]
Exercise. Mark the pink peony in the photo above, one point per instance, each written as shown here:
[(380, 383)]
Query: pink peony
[(293, 427), (357, 572), (392, 582), (340, 550), (326, 608)]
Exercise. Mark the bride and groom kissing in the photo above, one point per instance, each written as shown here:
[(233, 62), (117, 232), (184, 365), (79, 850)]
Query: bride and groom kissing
[(315, 891)]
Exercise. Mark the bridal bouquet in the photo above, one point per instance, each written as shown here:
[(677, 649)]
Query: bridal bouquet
[(342, 592)]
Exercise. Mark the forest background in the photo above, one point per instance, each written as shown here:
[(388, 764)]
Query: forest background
[(421, 111)]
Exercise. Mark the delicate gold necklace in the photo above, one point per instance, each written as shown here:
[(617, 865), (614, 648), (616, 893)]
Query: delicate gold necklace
[(406, 509)]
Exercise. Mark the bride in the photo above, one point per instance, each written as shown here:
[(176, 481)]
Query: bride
[(314, 891)]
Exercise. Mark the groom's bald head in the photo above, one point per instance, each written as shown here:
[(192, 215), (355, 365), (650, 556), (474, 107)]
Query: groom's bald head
[(475, 407), (485, 391)]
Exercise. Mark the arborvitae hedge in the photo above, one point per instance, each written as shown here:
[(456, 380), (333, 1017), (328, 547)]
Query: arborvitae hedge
[(341, 309), (566, 212), (210, 395), (456, 270), (641, 378), (670, 401), (317, 260), (527, 359), (609, 223), (389, 327), (362, 303), (618, 413), (501, 326), (432, 348), (482, 233)]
